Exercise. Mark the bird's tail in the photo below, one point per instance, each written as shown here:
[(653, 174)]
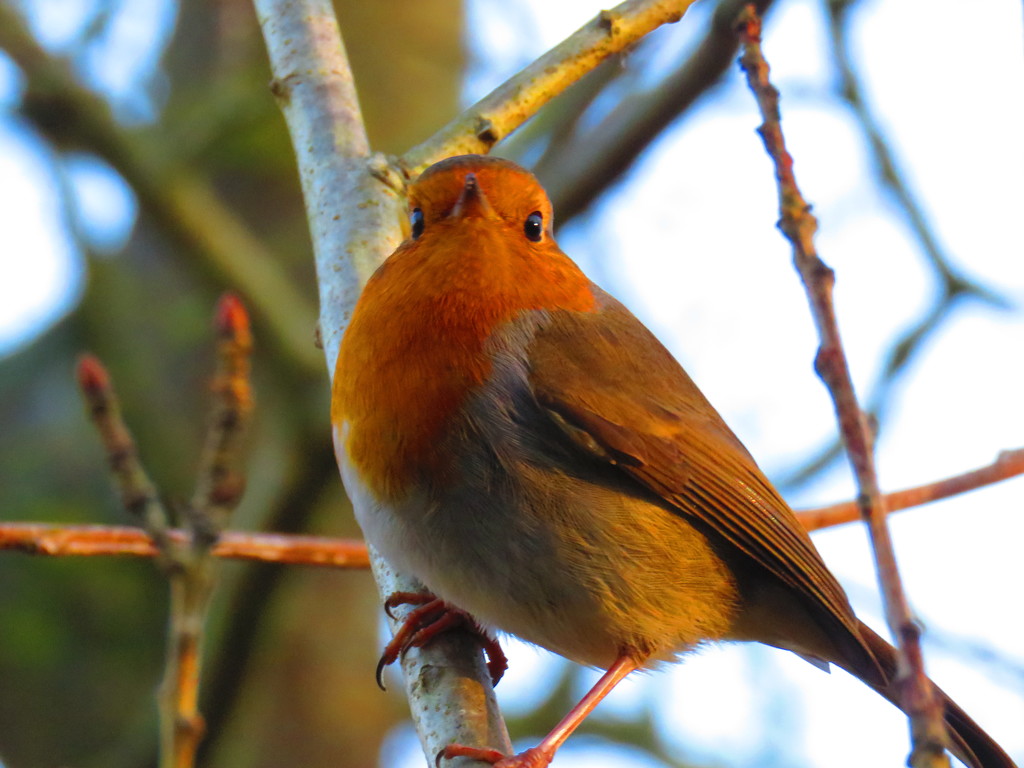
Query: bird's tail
[(967, 739)]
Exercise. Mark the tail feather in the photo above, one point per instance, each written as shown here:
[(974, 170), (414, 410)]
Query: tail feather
[(967, 739)]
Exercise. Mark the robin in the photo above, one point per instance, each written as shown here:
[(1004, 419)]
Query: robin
[(514, 437)]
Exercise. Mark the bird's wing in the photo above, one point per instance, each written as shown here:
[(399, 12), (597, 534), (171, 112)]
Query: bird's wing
[(620, 396)]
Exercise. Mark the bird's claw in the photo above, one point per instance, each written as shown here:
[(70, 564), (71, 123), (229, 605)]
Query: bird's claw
[(406, 598), (535, 757), (430, 618)]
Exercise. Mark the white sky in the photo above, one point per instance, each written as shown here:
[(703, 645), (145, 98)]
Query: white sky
[(689, 243)]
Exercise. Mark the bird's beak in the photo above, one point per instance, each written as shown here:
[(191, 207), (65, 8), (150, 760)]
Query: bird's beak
[(472, 201)]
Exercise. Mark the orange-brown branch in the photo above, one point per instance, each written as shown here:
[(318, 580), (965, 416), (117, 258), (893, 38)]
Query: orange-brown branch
[(1009, 464), (90, 540), (799, 225)]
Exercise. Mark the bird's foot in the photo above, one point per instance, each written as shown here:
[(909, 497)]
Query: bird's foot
[(535, 757), (433, 616)]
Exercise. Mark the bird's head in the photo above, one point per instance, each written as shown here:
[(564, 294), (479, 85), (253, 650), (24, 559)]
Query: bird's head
[(474, 196)]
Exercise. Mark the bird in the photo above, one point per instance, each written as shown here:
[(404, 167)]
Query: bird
[(515, 438)]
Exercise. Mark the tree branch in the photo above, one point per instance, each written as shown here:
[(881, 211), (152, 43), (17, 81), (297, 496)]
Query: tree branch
[(185, 560), (575, 179), (93, 540), (798, 224), (355, 204), (954, 284), (136, 490), (218, 491), (1008, 464), (503, 110)]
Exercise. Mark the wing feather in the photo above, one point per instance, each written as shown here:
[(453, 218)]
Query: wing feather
[(621, 397)]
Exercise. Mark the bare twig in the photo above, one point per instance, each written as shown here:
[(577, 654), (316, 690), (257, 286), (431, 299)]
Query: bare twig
[(499, 113), (220, 487), (558, 126), (798, 225), (1009, 464), (599, 158), (137, 492), (139, 497), (217, 494), (186, 559), (954, 285)]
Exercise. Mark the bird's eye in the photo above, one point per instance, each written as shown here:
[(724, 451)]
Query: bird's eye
[(534, 227), (416, 219)]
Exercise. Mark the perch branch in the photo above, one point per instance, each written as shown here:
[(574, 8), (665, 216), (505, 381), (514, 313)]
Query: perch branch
[(355, 204), (798, 224)]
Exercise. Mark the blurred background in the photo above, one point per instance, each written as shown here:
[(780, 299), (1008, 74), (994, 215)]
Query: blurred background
[(144, 169)]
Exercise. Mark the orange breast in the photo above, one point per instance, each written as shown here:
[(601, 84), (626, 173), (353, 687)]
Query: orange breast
[(414, 350)]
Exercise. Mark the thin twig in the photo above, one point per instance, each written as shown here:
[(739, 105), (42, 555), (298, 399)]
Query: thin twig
[(139, 497), (600, 157), (218, 492), (557, 127), (94, 540), (954, 285), (186, 558), (796, 222), (511, 104), (1009, 464), (138, 494), (220, 487)]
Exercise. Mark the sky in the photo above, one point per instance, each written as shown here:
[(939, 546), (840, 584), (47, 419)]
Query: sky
[(688, 242)]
